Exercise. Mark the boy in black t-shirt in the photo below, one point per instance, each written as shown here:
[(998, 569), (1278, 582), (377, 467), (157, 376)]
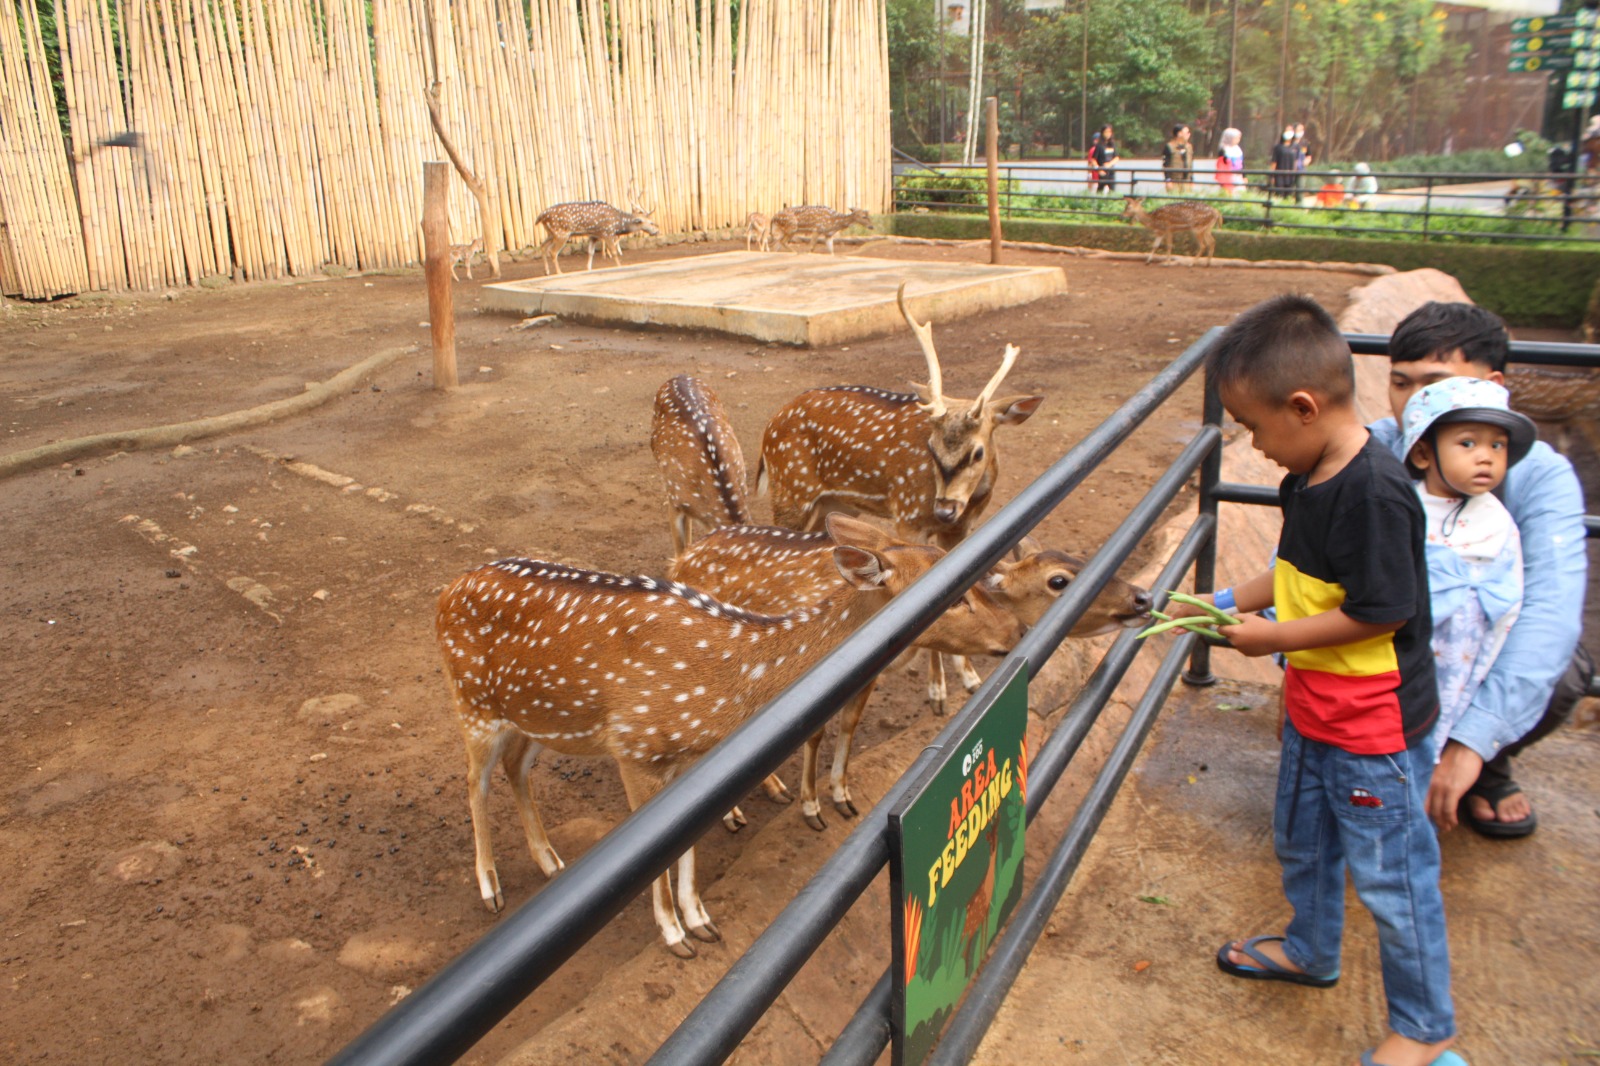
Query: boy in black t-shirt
[(1351, 592)]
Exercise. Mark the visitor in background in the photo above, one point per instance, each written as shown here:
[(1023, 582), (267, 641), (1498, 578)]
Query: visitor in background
[(1230, 162), (1284, 155), (1302, 158), (1364, 188), (1177, 160), (1103, 159)]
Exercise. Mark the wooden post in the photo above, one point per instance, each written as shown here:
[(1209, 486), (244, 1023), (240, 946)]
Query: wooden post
[(991, 152), (436, 266)]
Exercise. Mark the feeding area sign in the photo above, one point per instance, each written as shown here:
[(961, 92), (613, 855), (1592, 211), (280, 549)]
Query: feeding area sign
[(955, 866)]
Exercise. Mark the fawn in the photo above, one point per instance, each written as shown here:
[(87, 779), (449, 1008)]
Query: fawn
[(651, 673), (1177, 217), (816, 221), (463, 253), (758, 228), (761, 568)]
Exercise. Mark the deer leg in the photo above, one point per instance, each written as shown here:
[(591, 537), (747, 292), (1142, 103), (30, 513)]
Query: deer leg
[(810, 807), (848, 722), (694, 912), (970, 678), (1153, 248), (453, 271), (936, 683), (640, 784), (482, 753), (517, 758), (591, 255), (469, 268)]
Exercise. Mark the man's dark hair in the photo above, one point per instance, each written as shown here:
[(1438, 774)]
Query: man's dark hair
[(1179, 127), (1437, 329), (1280, 346)]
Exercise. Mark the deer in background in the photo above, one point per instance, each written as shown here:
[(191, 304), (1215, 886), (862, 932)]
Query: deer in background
[(651, 673), (816, 222), (464, 253), (596, 220), (926, 462), (757, 227), (701, 463), (770, 570), (1182, 216)]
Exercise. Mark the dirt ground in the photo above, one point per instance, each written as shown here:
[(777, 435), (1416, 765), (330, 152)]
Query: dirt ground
[(234, 817)]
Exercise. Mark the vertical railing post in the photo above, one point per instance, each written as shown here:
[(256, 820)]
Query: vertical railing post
[(1205, 565), (1427, 206)]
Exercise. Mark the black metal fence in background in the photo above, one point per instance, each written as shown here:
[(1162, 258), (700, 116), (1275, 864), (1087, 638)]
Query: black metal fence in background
[(1563, 208), (443, 1019)]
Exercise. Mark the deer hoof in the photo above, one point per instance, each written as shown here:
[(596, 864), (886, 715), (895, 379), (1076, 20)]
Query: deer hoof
[(496, 903), (815, 821), (776, 790), (734, 820), (845, 807), (707, 933), (683, 949)]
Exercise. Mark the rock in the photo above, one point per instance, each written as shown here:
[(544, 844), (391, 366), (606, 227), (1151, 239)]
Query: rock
[(215, 281), (289, 950), (317, 1007), (182, 450), (323, 708), (1378, 306)]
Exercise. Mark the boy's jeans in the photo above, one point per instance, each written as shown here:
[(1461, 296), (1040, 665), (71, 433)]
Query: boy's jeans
[(1367, 812)]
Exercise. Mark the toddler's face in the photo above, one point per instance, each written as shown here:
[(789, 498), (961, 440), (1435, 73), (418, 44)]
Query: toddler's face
[(1472, 459)]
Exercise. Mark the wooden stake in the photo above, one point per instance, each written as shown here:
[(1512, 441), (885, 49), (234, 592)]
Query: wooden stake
[(436, 265), (991, 153)]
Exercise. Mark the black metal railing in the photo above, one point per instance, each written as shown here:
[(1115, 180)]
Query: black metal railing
[(442, 1019), (1427, 206)]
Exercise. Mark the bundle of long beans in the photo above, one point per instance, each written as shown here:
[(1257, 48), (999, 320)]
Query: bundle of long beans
[(1202, 625)]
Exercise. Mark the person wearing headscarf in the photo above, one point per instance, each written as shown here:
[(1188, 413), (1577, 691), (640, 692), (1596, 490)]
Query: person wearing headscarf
[(1230, 161)]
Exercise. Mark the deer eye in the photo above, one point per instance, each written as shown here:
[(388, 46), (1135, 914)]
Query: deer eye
[(977, 454), (1058, 582)]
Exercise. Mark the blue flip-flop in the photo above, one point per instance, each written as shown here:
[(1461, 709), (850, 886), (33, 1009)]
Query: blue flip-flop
[(1449, 1058), (1267, 970)]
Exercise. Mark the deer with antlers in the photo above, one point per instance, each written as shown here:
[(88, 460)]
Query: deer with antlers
[(817, 222), (925, 461), (1169, 220), (700, 460), (651, 673), (596, 220), (770, 570)]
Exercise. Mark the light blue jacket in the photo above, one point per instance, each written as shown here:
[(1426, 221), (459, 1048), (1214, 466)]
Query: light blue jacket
[(1544, 498)]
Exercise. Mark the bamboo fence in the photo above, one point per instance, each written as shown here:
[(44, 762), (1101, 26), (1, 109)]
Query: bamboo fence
[(277, 137)]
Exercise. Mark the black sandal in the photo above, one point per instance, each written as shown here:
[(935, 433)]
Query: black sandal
[(1493, 794)]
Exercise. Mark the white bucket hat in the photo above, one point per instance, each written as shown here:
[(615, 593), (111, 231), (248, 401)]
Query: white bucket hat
[(1463, 399)]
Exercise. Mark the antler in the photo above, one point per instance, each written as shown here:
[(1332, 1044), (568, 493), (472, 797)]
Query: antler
[(924, 331), (994, 383), (633, 201)]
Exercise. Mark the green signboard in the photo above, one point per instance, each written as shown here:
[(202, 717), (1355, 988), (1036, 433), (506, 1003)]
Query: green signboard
[(1553, 42), (955, 866), (1583, 79), (1576, 98), (1526, 64), (1548, 23)]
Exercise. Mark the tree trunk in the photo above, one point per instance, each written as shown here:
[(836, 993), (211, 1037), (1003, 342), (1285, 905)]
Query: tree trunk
[(486, 216)]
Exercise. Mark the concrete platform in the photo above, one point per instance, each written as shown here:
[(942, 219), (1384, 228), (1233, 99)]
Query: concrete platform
[(801, 299)]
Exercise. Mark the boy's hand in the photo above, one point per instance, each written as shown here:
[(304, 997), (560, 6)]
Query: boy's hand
[(1253, 636)]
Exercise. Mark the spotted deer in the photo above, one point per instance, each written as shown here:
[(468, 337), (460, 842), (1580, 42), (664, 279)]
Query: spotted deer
[(925, 461), (1171, 219), (700, 460), (596, 220), (757, 228), (652, 673), (464, 253), (761, 568), (817, 222)]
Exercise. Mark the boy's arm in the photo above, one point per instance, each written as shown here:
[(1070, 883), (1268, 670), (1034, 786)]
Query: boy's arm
[(1255, 635), (1252, 595)]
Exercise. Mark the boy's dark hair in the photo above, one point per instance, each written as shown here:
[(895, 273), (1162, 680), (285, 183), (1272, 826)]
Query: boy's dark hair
[(1179, 127), (1282, 345), (1436, 329)]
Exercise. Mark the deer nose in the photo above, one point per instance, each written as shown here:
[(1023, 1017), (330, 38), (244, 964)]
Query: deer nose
[(1142, 602), (946, 510)]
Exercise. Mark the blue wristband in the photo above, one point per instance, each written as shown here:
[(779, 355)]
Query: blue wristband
[(1223, 599)]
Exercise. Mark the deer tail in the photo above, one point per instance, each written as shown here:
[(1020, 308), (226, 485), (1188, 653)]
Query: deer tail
[(761, 475)]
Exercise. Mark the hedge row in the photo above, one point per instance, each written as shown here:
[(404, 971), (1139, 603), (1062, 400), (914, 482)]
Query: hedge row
[(1526, 286)]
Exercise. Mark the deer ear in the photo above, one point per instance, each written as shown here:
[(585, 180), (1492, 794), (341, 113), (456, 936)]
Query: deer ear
[(845, 529), (1014, 409), (864, 569), (1028, 545)]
